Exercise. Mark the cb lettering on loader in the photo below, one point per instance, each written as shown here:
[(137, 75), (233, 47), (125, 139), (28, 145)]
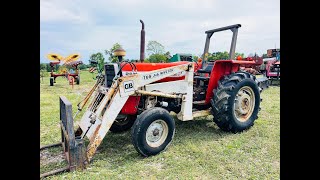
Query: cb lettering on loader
[(128, 86)]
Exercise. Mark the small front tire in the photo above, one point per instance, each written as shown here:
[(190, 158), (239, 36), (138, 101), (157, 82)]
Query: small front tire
[(153, 131)]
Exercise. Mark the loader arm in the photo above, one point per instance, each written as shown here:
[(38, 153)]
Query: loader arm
[(105, 107), (97, 124)]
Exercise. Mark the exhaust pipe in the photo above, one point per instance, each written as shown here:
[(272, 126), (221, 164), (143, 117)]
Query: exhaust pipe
[(142, 42)]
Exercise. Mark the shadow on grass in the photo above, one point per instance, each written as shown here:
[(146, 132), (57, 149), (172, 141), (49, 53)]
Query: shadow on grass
[(119, 145), (117, 150), (274, 82)]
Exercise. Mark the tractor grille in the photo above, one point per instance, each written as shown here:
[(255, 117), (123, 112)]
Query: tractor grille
[(96, 102), (110, 72)]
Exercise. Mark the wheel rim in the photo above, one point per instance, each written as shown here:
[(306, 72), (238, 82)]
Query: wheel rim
[(244, 103), (157, 133)]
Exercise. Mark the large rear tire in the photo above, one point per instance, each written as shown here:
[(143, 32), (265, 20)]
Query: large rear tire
[(235, 102), (153, 131)]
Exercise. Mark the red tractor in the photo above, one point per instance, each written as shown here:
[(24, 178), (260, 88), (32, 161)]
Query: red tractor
[(141, 95), (271, 65)]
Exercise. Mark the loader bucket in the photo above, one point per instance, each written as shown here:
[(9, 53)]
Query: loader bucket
[(73, 146)]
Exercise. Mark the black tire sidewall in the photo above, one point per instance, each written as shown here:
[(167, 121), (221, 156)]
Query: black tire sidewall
[(78, 79), (254, 87), (142, 124), (51, 81)]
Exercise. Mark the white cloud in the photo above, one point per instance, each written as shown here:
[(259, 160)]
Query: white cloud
[(61, 11)]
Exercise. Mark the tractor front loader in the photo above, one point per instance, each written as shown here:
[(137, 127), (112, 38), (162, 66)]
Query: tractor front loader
[(141, 95)]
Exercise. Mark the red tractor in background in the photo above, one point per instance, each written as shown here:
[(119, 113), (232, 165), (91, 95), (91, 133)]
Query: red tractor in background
[(271, 65), (139, 96)]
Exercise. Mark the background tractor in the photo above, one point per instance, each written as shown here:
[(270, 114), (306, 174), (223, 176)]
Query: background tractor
[(141, 95), (271, 65), (182, 57), (69, 68)]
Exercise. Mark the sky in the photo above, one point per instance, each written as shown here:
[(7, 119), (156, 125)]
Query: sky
[(88, 27)]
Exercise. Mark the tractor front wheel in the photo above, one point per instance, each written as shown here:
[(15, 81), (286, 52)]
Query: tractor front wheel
[(235, 102), (153, 131)]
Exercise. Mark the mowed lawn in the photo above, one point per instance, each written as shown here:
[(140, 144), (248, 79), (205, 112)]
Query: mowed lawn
[(199, 150)]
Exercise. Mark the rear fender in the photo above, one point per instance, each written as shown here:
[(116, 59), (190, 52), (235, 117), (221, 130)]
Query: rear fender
[(220, 69)]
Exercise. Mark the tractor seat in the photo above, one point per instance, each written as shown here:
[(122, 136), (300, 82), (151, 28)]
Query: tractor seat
[(203, 71), (201, 78), (207, 69)]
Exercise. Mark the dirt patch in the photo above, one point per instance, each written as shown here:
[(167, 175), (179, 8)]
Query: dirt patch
[(47, 158)]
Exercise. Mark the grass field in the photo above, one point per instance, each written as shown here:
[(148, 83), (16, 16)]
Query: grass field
[(200, 150)]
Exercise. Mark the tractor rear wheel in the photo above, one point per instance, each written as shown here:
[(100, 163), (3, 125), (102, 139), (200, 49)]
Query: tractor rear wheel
[(123, 123), (153, 131), (236, 101), (51, 81)]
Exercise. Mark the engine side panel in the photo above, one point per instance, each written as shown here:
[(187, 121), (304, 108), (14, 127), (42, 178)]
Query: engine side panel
[(131, 106)]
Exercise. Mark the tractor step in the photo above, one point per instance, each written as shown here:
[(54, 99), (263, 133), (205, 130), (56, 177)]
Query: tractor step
[(201, 113), (199, 102), (73, 146)]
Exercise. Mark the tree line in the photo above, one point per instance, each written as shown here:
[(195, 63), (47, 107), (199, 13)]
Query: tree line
[(46, 67), (155, 50)]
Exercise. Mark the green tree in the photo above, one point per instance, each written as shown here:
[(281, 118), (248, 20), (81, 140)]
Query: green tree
[(110, 52), (154, 47), (218, 56), (156, 58), (56, 67), (239, 54), (221, 55), (48, 67), (168, 55), (43, 66), (98, 57), (43, 70), (83, 66), (146, 60)]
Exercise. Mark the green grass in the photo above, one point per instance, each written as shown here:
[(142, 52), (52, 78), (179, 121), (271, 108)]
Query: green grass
[(200, 150)]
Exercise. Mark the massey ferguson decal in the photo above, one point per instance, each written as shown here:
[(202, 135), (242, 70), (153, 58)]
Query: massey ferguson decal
[(128, 73), (157, 74)]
